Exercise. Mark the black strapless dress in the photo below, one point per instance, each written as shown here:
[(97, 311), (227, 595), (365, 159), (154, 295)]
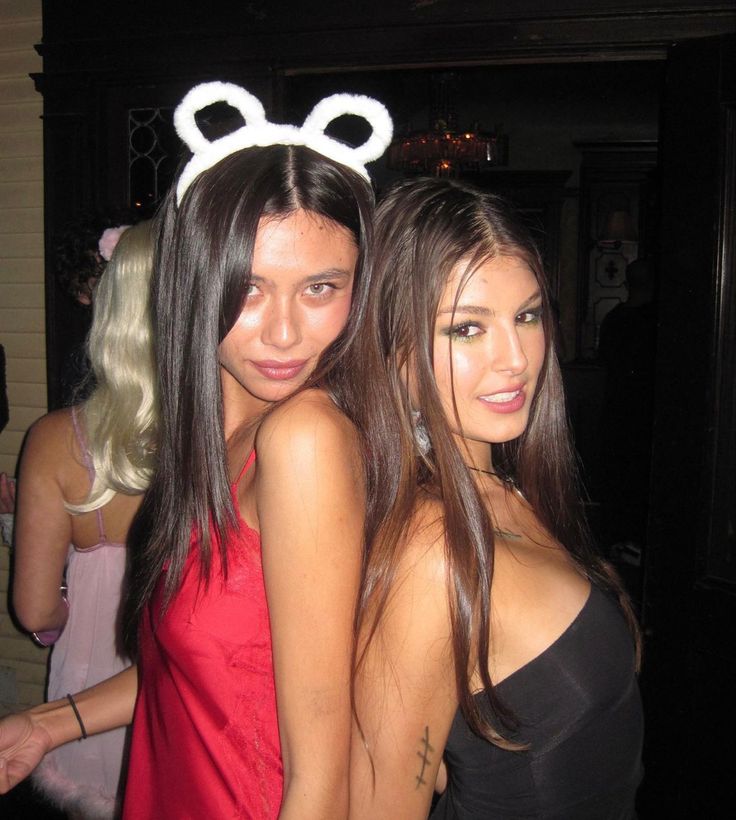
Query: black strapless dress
[(579, 709)]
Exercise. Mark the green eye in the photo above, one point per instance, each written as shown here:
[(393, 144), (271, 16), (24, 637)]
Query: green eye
[(530, 317)]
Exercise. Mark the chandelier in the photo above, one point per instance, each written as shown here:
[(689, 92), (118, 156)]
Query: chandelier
[(444, 152), (443, 149)]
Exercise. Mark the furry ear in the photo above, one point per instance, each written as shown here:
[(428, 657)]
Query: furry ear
[(330, 108), (259, 131)]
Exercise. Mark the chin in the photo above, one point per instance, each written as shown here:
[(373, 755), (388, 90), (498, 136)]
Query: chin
[(277, 393), (501, 433)]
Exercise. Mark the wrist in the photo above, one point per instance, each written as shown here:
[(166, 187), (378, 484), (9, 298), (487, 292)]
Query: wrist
[(57, 720)]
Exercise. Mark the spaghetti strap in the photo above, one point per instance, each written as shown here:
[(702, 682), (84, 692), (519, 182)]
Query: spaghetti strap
[(82, 442), (251, 458)]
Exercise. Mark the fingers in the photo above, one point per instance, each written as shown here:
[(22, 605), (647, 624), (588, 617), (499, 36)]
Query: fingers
[(11, 773), (5, 785), (7, 494)]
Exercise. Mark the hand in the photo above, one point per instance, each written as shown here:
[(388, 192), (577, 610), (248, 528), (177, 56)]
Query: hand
[(7, 494), (23, 744)]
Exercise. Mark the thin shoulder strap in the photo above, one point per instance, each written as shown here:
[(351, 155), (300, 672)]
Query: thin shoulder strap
[(82, 442), (250, 460)]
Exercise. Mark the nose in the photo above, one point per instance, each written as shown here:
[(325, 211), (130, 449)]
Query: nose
[(281, 328), (507, 351)]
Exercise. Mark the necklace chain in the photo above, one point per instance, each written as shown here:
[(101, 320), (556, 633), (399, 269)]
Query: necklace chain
[(496, 531), (504, 479), (486, 472)]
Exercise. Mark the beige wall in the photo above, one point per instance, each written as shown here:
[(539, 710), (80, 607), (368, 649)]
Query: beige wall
[(22, 665), (21, 223)]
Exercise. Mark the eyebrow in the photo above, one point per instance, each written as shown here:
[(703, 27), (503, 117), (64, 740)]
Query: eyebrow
[(480, 310), (330, 273)]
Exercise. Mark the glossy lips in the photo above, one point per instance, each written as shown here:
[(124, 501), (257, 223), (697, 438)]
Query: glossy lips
[(508, 401), (280, 371)]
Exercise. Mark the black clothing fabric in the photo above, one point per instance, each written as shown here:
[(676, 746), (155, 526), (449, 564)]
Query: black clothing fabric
[(579, 711)]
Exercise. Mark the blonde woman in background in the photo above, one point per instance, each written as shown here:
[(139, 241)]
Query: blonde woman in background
[(82, 475)]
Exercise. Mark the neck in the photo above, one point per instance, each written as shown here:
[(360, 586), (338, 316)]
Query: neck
[(485, 472), (506, 484), (506, 481), (239, 408)]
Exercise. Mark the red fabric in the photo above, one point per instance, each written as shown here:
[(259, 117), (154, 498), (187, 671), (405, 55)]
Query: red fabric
[(205, 738)]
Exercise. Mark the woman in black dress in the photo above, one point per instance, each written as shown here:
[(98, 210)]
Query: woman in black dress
[(491, 634)]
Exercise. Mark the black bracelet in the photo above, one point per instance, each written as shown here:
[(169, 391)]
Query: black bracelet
[(77, 715)]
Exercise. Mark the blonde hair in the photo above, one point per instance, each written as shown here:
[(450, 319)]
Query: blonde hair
[(121, 414)]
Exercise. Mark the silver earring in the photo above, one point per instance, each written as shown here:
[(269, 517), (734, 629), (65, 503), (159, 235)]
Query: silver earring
[(421, 436)]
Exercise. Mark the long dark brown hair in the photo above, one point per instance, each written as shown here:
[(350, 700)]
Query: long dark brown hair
[(424, 228), (203, 263)]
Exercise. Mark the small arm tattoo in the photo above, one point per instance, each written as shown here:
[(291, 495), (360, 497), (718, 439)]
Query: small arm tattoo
[(423, 753)]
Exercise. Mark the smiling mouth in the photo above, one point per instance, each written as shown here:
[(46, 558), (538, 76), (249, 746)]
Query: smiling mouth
[(502, 398), (507, 402)]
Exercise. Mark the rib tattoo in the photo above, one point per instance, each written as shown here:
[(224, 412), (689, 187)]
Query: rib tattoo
[(424, 755)]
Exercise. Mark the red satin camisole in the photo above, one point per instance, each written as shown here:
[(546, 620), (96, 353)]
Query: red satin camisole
[(205, 738)]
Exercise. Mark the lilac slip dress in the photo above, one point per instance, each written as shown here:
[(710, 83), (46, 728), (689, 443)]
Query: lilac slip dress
[(83, 777)]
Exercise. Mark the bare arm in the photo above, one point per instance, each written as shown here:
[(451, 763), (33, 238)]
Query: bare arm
[(310, 506), (405, 692), (42, 526), (27, 736)]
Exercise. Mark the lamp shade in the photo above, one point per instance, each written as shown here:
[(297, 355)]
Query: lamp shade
[(619, 227)]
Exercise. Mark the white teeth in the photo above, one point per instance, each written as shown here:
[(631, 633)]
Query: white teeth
[(501, 398)]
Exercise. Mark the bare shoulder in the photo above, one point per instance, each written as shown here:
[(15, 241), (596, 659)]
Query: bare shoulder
[(50, 438), (51, 464), (307, 423), (53, 424)]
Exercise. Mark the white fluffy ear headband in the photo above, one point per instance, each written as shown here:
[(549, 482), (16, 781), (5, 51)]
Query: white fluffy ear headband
[(259, 131)]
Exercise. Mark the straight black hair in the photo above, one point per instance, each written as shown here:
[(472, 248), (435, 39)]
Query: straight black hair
[(203, 264)]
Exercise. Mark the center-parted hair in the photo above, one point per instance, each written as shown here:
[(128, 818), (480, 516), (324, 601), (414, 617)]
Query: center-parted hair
[(203, 265), (424, 229)]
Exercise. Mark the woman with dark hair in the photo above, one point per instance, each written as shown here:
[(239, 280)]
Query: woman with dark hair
[(489, 629), (248, 547)]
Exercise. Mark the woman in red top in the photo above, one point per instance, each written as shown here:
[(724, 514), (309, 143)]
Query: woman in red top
[(248, 548)]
